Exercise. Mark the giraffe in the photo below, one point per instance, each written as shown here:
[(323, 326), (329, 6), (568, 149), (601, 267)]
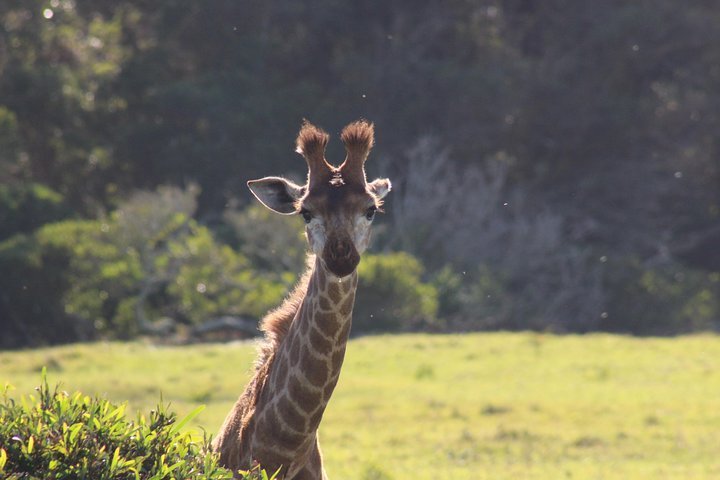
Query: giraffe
[(275, 420)]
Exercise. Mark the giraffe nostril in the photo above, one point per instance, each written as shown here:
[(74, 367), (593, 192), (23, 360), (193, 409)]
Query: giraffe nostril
[(341, 256), (340, 249)]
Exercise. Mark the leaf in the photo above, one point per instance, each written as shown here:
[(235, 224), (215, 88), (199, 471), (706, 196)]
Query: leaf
[(118, 412), (176, 428), (3, 459), (74, 430), (30, 444), (115, 459)]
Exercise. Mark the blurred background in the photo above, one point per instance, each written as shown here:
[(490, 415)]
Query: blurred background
[(556, 163)]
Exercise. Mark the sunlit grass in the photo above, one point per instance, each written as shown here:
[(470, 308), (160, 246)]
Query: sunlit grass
[(477, 406)]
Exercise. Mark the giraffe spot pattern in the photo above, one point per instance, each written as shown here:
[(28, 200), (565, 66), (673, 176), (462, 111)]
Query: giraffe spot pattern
[(343, 335), (270, 458), (280, 373), (319, 342), (315, 418), (347, 306), (327, 323), (314, 369), (324, 303), (306, 398), (275, 432), (291, 415), (333, 292), (328, 390), (305, 373), (295, 353), (337, 360)]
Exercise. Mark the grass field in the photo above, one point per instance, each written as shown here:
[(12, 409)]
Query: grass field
[(480, 406)]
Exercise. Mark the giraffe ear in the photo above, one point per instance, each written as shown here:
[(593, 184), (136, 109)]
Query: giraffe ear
[(380, 187), (277, 194)]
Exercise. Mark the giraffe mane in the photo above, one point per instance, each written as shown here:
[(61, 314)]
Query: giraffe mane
[(276, 324)]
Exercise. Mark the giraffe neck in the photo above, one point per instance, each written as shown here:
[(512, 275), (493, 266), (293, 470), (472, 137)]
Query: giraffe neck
[(307, 365)]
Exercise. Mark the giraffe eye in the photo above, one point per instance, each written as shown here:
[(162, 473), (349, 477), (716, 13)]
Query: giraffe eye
[(370, 213), (306, 215)]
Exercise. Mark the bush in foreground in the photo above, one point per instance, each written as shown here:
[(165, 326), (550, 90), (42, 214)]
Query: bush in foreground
[(57, 435)]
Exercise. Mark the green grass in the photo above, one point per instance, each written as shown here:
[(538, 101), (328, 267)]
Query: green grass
[(480, 406)]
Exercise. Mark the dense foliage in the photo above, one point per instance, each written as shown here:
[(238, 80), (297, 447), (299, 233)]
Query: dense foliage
[(58, 435), (391, 294), (555, 162)]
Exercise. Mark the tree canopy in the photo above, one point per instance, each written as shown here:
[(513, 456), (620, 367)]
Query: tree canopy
[(566, 149)]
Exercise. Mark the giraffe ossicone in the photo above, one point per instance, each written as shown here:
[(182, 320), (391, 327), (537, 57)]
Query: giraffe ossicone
[(275, 420)]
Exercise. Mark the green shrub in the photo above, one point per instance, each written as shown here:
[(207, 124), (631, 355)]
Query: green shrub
[(57, 435), (272, 242), (122, 285), (476, 300), (32, 284), (660, 300), (391, 294), (215, 280), (25, 207), (79, 279)]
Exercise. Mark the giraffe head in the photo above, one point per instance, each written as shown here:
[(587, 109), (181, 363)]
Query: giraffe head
[(338, 204)]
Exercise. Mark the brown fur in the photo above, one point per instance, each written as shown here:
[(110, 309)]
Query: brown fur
[(311, 142), (358, 137)]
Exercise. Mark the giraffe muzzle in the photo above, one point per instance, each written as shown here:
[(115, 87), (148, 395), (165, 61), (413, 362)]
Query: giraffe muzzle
[(341, 257)]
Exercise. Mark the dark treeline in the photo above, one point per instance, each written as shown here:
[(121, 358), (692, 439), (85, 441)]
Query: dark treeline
[(556, 163)]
